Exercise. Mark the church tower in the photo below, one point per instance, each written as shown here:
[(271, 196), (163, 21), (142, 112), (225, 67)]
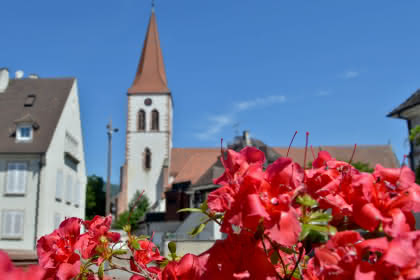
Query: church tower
[(149, 126)]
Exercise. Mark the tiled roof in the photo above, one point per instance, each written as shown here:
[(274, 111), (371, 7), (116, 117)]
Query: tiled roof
[(412, 101), (371, 154), (201, 166), (50, 98), (150, 76)]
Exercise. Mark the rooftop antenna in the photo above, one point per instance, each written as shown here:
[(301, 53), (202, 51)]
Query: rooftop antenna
[(153, 5)]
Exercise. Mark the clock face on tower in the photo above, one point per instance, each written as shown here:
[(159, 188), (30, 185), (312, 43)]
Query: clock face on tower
[(148, 102)]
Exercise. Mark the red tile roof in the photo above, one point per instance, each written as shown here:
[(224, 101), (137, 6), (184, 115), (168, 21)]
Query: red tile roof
[(190, 164), (150, 76)]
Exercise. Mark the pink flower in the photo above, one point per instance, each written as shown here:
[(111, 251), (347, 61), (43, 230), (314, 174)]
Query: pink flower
[(9, 272), (56, 251), (96, 238)]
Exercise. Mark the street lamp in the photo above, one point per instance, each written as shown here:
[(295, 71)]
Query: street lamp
[(110, 131)]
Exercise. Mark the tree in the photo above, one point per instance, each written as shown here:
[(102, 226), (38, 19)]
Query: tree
[(95, 197), (138, 208), (363, 167)]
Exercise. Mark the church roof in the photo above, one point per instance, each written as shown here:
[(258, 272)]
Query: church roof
[(150, 77), (412, 101), (201, 166)]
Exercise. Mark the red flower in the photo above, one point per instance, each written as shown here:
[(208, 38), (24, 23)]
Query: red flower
[(97, 238), (237, 257), (56, 251), (9, 272), (249, 195), (337, 259), (395, 259), (147, 253), (387, 197), (188, 268)]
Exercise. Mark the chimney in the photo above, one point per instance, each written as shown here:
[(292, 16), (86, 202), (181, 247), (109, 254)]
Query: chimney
[(4, 79), (246, 138), (19, 74), (33, 76)]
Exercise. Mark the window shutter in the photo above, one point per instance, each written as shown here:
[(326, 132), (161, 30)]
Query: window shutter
[(16, 177), (7, 223), (69, 189), (11, 167), (77, 193), (21, 177), (59, 185), (13, 222), (57, 220), (18, 226)]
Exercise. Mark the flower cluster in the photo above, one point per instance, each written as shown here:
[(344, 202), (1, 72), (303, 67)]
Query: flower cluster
[(281, 221), (9, 272)]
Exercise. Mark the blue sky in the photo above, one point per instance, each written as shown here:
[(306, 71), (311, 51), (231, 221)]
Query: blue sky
[(333, 68)]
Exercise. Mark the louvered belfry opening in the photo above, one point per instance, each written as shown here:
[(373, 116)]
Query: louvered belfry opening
[(141, 120), (155, 120)]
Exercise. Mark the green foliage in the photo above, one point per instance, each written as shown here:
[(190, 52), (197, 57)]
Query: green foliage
[(415, 135), (359, 165), (95, 197), (139, 209), (418, 175), (362, 166)]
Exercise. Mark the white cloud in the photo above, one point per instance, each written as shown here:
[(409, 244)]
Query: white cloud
[(269, 100), (218, 122), (350, 75)]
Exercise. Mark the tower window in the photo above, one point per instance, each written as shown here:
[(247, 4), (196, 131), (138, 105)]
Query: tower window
[(141, 120), (147, 159), (155, 120)]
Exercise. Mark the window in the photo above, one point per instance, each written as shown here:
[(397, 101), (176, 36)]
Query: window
[(155, 120), (16, 177), (141, 120), (30, 100), (77, 188), (59, 188), (24, 133), (57, 220), (69, 188), (147, 158), (12, 224)]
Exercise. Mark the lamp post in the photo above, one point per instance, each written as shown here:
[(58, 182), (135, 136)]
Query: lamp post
[(110, 131)]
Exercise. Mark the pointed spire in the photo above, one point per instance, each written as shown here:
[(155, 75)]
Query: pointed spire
[(150, 76)]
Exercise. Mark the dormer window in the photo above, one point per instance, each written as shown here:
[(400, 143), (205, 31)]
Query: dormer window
[(24, 132)]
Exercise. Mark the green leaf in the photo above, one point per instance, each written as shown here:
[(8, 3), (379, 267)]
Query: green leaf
[(101, 271), (305, 231), (287, 250), (197, 229), (119, 252), (135, 244), (172, 247), (319, 217), (204, 206), (190, 210), (306, 200), (318, 228), (274, 258)]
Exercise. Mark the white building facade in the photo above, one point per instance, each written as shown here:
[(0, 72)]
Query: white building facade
[(42, 166)]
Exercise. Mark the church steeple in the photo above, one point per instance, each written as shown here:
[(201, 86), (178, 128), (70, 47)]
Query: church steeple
[(150, 77)]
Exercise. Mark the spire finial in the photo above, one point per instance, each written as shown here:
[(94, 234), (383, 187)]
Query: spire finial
[(153, 5)]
